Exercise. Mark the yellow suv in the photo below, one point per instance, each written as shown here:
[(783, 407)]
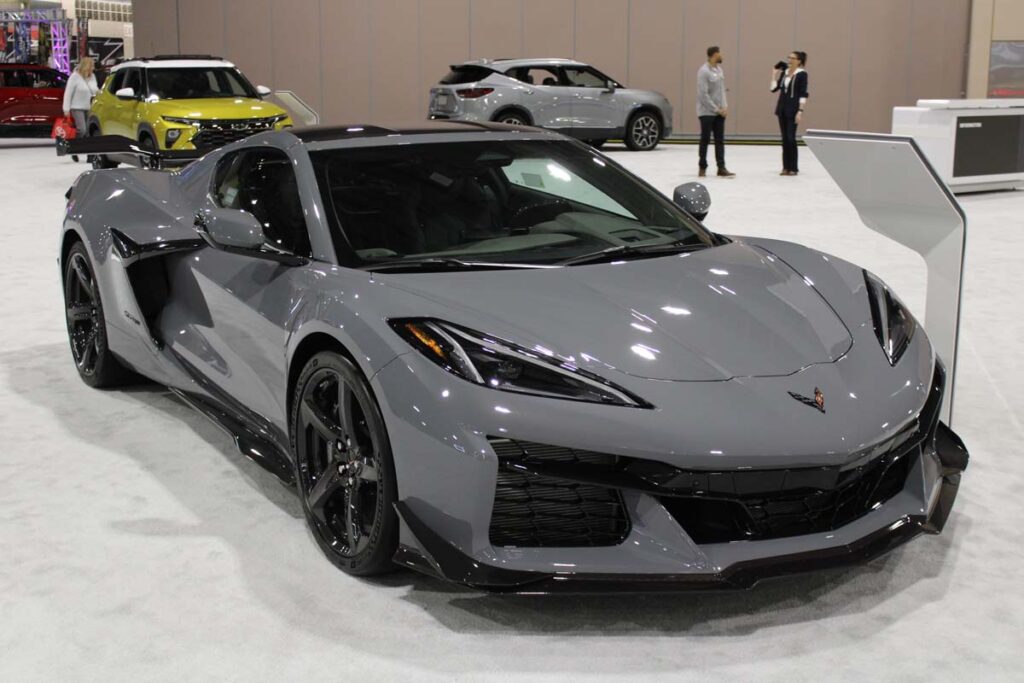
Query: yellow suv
[(182, 102)]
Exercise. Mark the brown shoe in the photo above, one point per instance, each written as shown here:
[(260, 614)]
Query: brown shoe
[(701, 172), (726, 173), (787, 172)]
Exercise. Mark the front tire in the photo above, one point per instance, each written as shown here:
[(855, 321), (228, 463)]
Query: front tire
[(643, 132), (344, 469), (87, 327)]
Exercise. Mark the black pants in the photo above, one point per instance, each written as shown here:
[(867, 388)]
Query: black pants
[(787, 125), (712, 124)]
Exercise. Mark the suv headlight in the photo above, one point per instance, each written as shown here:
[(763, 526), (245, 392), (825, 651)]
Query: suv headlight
[(498, 364), (178, 119), (894, 326)]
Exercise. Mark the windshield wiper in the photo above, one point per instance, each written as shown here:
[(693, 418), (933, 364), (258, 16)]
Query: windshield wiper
[(444, 263), (631, 250)]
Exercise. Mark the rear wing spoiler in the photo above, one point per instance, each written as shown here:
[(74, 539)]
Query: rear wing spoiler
[(121, 146)]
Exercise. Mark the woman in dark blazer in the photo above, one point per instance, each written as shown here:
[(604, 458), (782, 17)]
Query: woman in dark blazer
[(791, 85)]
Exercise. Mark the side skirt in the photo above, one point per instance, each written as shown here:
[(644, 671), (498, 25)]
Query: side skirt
[(255, 438)]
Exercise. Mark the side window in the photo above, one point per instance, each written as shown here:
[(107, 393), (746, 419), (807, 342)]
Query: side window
[(133, 80), (263, 183), (583, 77), (536, 75), (116, 80)]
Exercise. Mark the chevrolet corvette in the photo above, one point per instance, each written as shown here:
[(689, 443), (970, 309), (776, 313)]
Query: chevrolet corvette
[(491, 354)]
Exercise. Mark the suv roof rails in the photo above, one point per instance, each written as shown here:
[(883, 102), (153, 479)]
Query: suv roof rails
[(162, 57)]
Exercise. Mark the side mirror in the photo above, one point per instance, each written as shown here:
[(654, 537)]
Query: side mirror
[(609, 86), (239, 232), (234, 228), (263, 90), (125, 94), (693, 198)]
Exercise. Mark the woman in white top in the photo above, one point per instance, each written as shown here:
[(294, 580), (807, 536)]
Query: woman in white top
[(78, 94)]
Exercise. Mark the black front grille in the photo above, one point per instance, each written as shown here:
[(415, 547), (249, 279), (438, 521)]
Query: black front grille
[(792, 509), (533, 511), (219, 132), (550, 495)]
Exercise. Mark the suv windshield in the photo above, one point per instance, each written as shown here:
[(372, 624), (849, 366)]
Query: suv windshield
[(197, 83), (496, 202)]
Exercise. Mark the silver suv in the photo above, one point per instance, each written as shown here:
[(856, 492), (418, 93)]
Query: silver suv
[(561, 94)]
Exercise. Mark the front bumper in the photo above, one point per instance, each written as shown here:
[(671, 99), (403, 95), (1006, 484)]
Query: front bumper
[(438, 557)]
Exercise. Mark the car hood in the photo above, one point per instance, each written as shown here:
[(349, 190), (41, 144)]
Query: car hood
[(220, 108), (730, 311)]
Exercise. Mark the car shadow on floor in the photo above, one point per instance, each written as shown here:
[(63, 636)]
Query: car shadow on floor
[(45, 377)]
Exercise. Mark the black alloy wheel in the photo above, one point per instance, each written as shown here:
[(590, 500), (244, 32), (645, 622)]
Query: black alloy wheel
[(344, 468), (87, 331), (643, 131)]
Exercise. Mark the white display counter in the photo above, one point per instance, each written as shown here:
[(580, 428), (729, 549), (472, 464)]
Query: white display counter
[(974, 145)]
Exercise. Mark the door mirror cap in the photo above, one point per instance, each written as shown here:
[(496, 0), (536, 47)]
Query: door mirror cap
[(693, 198), (231, 228), (240, 232), (609, 86), (125, 94), (263, 90)]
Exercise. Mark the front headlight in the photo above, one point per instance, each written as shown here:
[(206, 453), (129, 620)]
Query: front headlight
[(894, 326), (498, 364), (178, 119)]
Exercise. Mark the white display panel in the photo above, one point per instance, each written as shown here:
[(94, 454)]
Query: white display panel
[(899, 194)]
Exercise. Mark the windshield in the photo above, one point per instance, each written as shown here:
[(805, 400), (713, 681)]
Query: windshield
[(500, 202), (198, 83)]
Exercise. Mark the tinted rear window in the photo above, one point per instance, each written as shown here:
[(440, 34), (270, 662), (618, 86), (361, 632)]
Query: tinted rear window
[(466, 74)]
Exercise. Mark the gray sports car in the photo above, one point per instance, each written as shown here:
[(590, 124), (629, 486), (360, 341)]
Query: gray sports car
[(491, 354), (560, 94)]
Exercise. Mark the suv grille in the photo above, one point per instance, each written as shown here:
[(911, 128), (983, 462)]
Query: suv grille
[(534, 511), (219, 132)]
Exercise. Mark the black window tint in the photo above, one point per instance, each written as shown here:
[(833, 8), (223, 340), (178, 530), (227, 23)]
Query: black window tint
[(116, 80), (263, 183), (198, 82), (466, 74), (133, 80)]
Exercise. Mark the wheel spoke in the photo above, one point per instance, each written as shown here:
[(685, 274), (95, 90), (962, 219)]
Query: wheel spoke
[(89, 351), (346, 404), (83, 278), (326, 486), (326, 426), (353, 531), (79, 313), (368, 469)]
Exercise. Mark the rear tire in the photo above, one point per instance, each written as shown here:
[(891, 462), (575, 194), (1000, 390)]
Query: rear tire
[(643, 132), (344, 469), (512, 118), (87, 326)]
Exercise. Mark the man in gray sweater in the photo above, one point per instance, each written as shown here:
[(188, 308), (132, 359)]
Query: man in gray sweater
[(712, 108)]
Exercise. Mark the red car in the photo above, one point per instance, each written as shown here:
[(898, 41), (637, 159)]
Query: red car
[(31, 96)]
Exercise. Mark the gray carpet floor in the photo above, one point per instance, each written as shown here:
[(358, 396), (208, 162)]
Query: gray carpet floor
[(136, 544)]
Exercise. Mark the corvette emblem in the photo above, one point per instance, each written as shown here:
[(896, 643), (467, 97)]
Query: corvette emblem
[(817, 402)]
